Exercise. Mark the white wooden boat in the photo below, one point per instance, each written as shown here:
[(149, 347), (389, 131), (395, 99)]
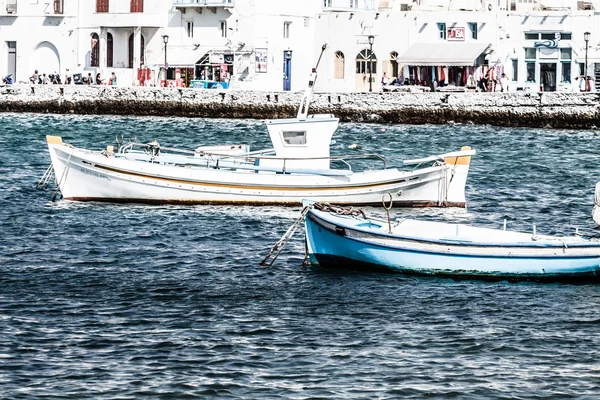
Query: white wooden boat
[(299, 166), (353, 241)]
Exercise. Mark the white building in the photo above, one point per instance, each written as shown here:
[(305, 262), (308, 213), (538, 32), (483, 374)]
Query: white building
[(272, 44)]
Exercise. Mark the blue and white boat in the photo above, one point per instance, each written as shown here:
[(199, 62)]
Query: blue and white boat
[(349, 240)]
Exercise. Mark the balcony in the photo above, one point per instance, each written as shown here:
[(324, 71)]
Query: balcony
[(199, 5), (348, 5)]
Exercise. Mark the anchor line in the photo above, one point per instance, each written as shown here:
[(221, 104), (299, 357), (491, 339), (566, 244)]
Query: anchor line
[(45, 179), (326, 207), (62, 176), (278, 247)]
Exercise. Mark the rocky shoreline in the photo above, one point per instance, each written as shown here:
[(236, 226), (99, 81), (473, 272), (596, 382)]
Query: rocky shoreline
[(549, 109)]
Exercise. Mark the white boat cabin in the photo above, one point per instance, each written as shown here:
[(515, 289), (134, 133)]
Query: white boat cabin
[(303, 142)]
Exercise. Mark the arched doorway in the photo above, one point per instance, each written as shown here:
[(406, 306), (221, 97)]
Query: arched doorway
[(338, 65), (142, 46), (95, 50), (109, 50), (366, 65), (45, 59)]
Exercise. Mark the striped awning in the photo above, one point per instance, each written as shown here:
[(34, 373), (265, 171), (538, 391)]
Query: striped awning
[(444, 53)]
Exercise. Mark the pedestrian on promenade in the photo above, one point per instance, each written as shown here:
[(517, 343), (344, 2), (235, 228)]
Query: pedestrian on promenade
[(44, 79), (504, 83), (590, 84), (90, 80), (98, 79), (34, 78), (113, 80)]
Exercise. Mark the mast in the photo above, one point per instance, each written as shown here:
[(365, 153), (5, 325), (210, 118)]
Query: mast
[(307, 96)]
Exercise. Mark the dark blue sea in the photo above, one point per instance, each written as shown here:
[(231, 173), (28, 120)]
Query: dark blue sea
[(124, 301)]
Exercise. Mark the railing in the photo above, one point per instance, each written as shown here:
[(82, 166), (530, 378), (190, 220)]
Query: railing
[(200, 3), (216, 159)]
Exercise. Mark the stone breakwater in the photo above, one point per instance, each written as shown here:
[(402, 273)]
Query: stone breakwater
[(555, 110)]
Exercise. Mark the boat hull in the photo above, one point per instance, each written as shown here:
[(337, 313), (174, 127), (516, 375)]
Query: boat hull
[(332, 243), (92, 176)]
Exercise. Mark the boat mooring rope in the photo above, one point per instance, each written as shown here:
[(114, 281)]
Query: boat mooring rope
[(285, 238), (62, 176)]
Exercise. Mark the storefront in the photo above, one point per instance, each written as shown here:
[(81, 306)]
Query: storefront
[(444, 64), (214, 71), (548, 62)]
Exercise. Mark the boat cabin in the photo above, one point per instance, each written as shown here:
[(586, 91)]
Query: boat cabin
[(303, 142)]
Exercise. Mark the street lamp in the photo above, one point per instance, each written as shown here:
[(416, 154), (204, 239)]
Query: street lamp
[(165, 40), (586, 37), (371, 40)]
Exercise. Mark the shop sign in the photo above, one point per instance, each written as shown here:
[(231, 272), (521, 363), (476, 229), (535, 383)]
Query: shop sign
[(261, 60), (216, 59), (548, 52), (456, 35)]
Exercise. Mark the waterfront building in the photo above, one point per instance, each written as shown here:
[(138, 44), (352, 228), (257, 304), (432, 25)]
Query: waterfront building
[(271, 45)]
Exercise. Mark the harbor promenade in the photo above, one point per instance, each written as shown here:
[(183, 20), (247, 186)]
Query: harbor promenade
[(548, 109)]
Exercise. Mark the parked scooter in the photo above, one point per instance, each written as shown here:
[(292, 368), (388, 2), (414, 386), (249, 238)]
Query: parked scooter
[(7, 80)]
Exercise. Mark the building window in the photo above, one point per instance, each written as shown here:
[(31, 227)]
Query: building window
[(441, 30), (473, 28), (326, 3), (366, 62), (565, 75), (109, 50), (58, 6), (136, 6), (565, 36), (223, 27), (338, 65), (190, 29), (286, 29), (565, 54), (515, 70), (532, 36), (548, 36), (530, 53), (101, 6), (353, 3), (131, 50), (95, 53)]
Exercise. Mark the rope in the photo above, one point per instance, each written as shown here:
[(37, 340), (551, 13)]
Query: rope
[(284, 239), (43, 182), (340, 210), (62, 176)]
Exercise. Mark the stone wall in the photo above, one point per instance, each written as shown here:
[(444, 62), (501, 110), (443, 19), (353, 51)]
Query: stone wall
[(557, 110)]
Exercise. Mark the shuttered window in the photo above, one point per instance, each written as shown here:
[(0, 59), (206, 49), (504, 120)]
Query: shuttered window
[(101, 6), (136, 6)]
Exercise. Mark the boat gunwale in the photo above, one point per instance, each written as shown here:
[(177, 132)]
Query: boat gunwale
[(460, 244)]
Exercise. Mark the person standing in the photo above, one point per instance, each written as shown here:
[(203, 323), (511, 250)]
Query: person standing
[(44, 79), (35, 77), (504, 83), (113, 79)]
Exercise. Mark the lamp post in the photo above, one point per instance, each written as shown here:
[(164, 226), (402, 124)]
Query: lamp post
[(586, 37), (371, 40), (165, 41)]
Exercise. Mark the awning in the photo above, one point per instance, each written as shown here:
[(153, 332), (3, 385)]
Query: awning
[(184, 56), (443, 53)]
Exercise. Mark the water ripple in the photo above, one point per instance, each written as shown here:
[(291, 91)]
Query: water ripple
[(130, 301)]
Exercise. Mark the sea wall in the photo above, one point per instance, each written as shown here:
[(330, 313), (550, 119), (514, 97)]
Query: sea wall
[(556, 110)]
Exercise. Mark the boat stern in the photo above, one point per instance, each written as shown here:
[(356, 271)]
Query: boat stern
[(456, 179)]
